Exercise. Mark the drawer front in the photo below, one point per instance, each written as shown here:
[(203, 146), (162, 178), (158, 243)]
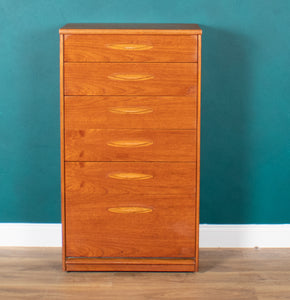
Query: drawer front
[(130, 145), (124, 178), (130, 79), (129, 226), (130, 48), (87, 112)]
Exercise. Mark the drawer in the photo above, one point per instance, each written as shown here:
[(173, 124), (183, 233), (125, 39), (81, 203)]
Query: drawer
[(129, 226), (87, 112), (128, 178), (130, 48), (172, 79), (130, 145)]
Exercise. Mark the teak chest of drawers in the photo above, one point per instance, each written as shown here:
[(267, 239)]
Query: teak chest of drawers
[(130, 136)]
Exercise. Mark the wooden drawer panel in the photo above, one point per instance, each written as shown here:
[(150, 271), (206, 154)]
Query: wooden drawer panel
[(125, 178), (130, 145), (129, 226), (87, 112), (130, 48), (130, 79)]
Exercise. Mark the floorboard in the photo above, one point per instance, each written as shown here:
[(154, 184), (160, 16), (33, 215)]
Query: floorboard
[(252, 274)]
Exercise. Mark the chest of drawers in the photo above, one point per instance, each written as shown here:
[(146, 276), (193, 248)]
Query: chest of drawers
[(130, 132)]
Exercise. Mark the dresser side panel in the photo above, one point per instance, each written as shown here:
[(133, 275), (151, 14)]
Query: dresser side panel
[(198, 152), (62, 165)]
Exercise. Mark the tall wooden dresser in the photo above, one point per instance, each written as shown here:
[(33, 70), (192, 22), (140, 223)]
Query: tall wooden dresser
[(130, 136)]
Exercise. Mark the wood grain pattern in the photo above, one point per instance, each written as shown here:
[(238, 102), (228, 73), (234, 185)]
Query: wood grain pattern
[(94, 231), (130, 143), (198, 153), (130, 210), (142, 145), (225, 274), (62, 149), (133, 46), (168, 178), (130, 126), (131, 268), (168, 79), (131, 264), (130, 77), (130, 48), (131, 261), (88, 112), (131, 110), (129, 176)]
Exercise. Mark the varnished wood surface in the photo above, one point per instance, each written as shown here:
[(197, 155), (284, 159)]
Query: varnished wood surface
[(130, 209), (198, 133), (130, 145), (62, 143), (98, 79), (154, 60), (92, 230), (87, 112), (130, 48), (224, 274), (166, 266), (133, 261), (96, 178), (130, 28)]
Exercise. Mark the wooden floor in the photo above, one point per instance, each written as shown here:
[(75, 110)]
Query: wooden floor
[(35, 273)]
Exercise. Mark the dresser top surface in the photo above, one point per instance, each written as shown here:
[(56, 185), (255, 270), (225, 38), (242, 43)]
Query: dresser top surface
[(130, 28)]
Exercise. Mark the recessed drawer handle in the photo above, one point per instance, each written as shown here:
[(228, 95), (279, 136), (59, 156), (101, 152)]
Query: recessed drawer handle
[(131, 110), (130, 77), (130, 143), (130, 176), (130, 210), (129, 47)]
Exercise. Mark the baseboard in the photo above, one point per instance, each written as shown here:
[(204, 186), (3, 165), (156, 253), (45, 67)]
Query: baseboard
[(30, 235), (245, 236), (236, 236)]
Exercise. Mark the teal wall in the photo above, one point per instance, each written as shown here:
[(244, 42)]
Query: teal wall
[(245, 102)]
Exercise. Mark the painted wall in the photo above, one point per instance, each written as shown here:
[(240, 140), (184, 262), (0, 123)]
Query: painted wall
[(245, 102)]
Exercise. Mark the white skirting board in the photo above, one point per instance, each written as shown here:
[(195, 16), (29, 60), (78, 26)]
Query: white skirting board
[(235, 236)]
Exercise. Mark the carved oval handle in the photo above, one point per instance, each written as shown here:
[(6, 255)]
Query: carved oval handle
[(130, 176), (130, 77), (129, 210), (131, 110), (129, 47), (130, 143)]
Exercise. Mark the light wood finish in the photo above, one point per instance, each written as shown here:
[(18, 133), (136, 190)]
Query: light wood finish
[(130, 210), (130, 131), (130, 48), (130, 145), (131, 110), (161, 178), (130, 28), (166, 230), (129, 176), (224, 274), (163, 79), (88, 112), (130, 77)]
